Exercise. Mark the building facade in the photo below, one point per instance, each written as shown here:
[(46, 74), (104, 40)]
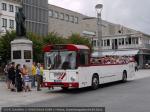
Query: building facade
[(36, 13), (63, 21), (66, 22), (8, 8)]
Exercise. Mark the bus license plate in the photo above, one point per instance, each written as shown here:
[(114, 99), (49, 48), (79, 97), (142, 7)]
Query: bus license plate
[(57, 80)]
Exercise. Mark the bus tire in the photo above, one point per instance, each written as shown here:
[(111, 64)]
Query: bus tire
[(64, 88), (124, 76), (95, 82)]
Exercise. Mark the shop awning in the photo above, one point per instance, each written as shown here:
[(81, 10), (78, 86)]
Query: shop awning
[(118, 53)]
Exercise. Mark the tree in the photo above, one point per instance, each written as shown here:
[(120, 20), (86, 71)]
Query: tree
[(54, 38), (5, 46), (37, 47), (79, 40)]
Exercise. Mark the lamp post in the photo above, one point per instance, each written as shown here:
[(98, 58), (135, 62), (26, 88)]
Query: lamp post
[(99, 8)]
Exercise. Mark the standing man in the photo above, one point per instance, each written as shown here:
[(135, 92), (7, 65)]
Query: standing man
[(11, 76), (38, 73), (33, 74)]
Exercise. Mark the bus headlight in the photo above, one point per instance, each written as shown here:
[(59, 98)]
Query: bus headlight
[(73, 79)]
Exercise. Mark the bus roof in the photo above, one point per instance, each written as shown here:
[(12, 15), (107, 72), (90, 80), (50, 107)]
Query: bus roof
[(70, 47)]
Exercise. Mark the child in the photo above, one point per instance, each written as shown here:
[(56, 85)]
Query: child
[(27, 83), (26, 79)]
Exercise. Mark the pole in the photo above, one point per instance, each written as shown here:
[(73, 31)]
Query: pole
[(99, 23)]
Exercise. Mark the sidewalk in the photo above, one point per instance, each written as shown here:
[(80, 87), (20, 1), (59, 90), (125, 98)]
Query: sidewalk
[(8, 98), (144, 73)]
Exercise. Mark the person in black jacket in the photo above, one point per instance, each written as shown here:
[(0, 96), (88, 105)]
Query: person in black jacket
[(18, 78), (11, 76)]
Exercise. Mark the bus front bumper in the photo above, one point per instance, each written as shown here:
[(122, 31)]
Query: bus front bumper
[(61, 84)]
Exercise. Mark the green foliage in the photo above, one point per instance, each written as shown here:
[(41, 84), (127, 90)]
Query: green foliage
[(5, 46), (54, 38), (79, 40), (37, 47)]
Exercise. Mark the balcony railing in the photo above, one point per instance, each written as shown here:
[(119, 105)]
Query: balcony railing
[(131, 46)]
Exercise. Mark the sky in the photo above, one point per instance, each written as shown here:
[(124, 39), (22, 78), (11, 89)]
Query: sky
[(134, 14)]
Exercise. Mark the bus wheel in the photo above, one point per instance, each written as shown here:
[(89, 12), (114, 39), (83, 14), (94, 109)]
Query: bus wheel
[(124, 76), (64, 88), (95, 82)]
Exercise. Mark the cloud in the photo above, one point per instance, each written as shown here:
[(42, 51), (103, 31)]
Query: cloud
[(131, 13)]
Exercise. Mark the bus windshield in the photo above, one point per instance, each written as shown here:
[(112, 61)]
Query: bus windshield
[(60, 60)]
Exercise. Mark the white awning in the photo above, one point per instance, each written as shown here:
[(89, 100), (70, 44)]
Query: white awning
[(118, 53)]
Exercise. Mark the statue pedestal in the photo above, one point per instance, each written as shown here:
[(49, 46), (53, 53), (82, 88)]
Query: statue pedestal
[(22, 52)]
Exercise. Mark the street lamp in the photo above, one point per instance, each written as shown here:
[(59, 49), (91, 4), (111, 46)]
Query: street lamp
[(99, 8)]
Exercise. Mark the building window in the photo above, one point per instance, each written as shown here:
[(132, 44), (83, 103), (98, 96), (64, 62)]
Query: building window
[(94, 43), (11, 24), (137, 40), (134, 40), (127, 41), (55, 14), (102, 43), (4, 22), (50, 13), (130, 40), (71, 19), (16, 8), (108, 42), (11, 8), (61, 16), (76, 20), (122, 41), (67, 17), (98, 43), (4, 6)]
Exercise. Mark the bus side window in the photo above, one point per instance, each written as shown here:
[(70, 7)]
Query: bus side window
[(84, 58)]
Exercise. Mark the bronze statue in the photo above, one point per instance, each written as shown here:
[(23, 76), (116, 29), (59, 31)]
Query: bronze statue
[(20, 23)]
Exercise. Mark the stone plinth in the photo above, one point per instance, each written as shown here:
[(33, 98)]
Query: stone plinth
[(22, 52)]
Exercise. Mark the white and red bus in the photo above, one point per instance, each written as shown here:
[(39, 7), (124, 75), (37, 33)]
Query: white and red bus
[(69, 66)]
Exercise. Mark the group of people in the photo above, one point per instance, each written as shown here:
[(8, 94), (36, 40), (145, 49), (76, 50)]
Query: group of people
[(21, 79), (112, 60)]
